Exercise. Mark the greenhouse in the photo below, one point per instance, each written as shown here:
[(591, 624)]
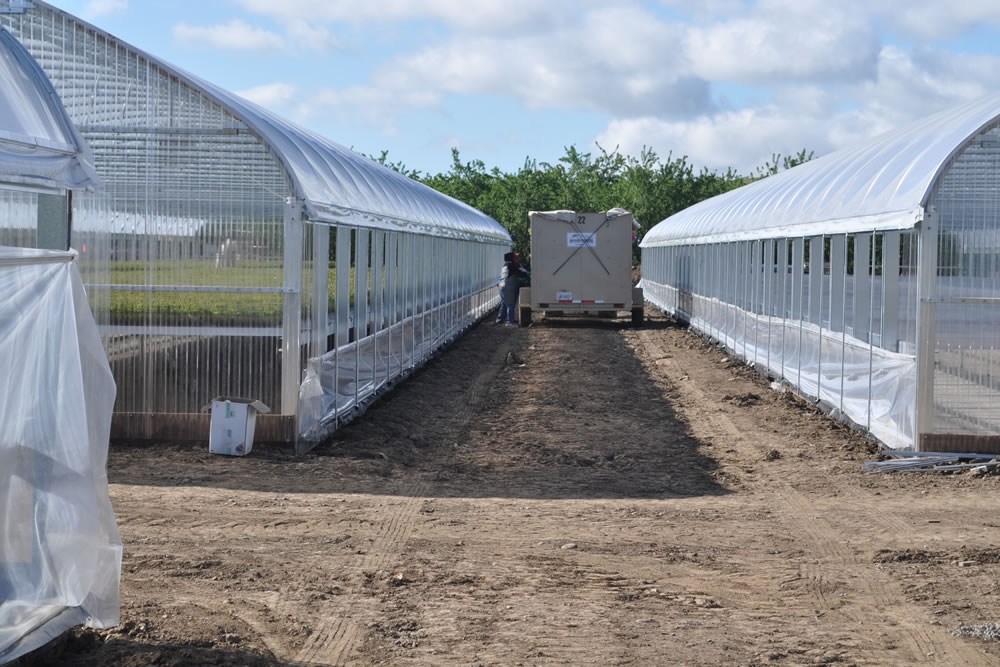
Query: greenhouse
[(867, 280), (60, 552), (233, 253)]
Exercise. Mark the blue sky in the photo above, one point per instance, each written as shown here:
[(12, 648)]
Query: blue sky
[(725, 82)]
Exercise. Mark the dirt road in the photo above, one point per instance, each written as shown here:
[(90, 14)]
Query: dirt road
[(574, 493)]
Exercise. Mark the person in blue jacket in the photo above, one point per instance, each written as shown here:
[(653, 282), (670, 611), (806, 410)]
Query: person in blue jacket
[(510, 282)]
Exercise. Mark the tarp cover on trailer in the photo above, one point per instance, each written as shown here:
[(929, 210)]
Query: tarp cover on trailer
[(881, 185), (39, 146), (60, 552), (336, 184)]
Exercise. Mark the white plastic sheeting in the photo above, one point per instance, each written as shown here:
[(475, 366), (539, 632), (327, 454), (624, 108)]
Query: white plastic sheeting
[(60, 552), (39, 147), (881, 185), (411, 296), (340, 384), (874, 388)]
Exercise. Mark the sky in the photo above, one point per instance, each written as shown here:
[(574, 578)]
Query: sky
[(726, 83)]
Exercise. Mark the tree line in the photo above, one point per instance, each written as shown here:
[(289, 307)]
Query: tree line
[(650, 187)]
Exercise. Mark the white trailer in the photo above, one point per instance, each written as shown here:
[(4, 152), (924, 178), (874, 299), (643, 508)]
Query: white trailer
[(581, 263)]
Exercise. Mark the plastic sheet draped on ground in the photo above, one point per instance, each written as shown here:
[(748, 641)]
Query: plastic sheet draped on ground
[(60, 552), (339, 384), (874, 388)]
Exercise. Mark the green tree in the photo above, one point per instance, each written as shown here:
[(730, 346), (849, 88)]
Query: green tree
[(651, 187)]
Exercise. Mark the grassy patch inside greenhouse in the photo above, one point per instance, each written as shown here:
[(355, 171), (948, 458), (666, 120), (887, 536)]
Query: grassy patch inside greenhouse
[(142, 292)]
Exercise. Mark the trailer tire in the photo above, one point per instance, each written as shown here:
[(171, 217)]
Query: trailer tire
[(524, 315), (637, 316)]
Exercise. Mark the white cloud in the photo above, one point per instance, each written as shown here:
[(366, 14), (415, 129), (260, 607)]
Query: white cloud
[(743, 139), (271, 95), (233, 35), (483, 15), (928, 80), (96, 8), (820, 119), (369, 105), (314, 37), (727, 82), (623, 62), (934, 19), (781, 44)]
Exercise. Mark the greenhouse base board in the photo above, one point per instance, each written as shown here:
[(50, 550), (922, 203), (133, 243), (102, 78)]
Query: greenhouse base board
[(194, 427), (959, 442)]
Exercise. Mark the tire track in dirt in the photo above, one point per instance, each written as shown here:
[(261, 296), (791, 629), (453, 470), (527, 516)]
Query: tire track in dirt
[(834, 557), (923, 641), (255, 619), (337, 635)]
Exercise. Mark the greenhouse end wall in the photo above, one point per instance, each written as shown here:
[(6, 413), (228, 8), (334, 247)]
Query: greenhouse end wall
[(963, 303), (832, 316)]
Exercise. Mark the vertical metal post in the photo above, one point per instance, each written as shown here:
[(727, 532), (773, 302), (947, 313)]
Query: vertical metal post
[(755, 278), (782, 300), (720, 312), (838, 283), (927, 270), (392, 302), (341, 304), (871, 319), (838, 279), (889, 333), (426, 281), (746, 272), (817, 270), (378, 303), (361, 263), (291, 371), (407, 282), (862, 287), (360, 304), (767, 302), (798, 272), (320, 289), (342, 267)]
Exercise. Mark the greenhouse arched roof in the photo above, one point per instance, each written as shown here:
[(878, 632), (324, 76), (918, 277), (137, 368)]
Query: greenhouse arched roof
[(336, 184), (339, 185), (39, 146), (882, 185)]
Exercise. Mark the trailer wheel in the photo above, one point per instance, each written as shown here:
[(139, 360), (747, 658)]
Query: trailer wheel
[(637, 316), (524, 315)]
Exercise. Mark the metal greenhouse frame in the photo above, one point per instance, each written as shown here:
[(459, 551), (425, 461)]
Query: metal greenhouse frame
[(234, 253), (868, 279)]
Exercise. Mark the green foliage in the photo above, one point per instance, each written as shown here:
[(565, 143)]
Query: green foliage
[(650, 187)]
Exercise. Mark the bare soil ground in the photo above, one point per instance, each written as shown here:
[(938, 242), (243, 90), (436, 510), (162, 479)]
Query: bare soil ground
[(575, 493)]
